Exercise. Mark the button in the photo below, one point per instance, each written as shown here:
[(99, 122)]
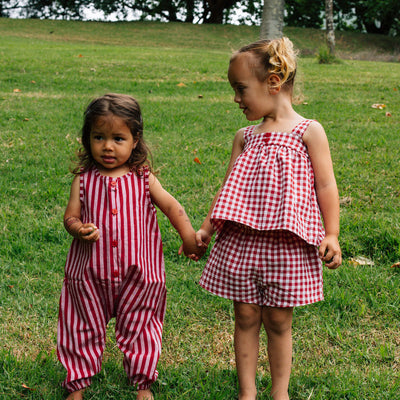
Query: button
[(113, 183), (114, 211), (114, 243), (115, 273)]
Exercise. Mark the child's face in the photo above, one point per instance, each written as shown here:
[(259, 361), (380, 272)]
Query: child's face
[(111, 144), (251, 94)]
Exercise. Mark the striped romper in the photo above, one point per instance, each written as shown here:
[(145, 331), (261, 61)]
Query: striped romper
[(121, 275)]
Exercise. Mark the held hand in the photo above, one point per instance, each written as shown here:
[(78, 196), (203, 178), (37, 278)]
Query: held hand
[(197, 252), (88, 233), (203, 238), (330, 253)]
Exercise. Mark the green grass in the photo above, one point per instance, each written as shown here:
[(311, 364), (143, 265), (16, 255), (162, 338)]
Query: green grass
[(346, 347)]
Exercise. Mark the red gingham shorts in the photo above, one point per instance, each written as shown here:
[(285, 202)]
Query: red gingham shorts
[(268, 268)]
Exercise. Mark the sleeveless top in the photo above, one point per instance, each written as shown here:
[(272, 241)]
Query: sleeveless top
[(122, 210), (271, 186)]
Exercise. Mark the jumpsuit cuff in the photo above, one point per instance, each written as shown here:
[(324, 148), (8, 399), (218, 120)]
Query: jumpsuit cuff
[(79, 384), (143, 386)]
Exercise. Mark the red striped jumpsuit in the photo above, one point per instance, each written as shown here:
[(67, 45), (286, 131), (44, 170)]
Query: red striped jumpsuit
[(121, 275)]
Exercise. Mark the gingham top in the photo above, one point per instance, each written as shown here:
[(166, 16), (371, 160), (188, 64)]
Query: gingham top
[(271, 186)]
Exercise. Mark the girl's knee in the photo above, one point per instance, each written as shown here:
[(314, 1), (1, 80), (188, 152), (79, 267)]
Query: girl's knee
[(247, 316), (278, 320)]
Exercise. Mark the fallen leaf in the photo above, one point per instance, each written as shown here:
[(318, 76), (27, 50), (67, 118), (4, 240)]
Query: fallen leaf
[(26, 119), (80, 55), (388, 114), (27, 387), (33, 81), (396, 265), (379, 106), (200, 96), (17, 90), (181, 84), (360, 260), (196, 160)]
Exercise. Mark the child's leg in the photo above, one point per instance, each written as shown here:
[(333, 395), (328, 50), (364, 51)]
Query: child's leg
[(78, 395), (144, 395), (278, 325), (139, 324), (247, 331), (81, 333)]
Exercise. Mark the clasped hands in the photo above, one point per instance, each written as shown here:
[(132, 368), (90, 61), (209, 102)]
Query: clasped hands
[(195, 247)]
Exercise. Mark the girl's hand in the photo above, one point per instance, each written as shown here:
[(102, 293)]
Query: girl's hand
[(203, 238), (88, 233), (195, 253), (329, 252)]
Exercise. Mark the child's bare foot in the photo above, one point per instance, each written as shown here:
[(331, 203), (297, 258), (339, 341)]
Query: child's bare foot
[(144, 395), (248, 395), (78, 395)]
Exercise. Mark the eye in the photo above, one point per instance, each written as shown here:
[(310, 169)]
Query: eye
[(119, 139), (97, 137)]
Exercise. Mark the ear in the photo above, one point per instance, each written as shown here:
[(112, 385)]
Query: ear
[(274, 84)]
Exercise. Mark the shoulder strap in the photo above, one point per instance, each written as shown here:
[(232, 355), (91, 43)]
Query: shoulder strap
[(249, 130), (302, 126)]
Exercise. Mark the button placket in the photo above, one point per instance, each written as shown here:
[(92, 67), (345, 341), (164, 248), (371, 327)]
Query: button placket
[(114, 231)]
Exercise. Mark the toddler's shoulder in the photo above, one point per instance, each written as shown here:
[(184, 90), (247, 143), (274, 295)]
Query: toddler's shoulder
[(314, 132)]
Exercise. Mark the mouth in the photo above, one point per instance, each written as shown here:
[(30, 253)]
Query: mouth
[(108, 159)]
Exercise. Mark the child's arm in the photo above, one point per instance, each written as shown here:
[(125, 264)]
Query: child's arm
[(327, 193), (206, 231), (72, 217), (177, 216)]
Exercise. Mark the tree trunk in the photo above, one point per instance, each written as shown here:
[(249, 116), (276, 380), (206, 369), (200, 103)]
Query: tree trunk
[(330, 31), (272, 19)]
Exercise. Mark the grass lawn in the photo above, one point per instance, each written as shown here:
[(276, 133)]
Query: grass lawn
[(347, 347)]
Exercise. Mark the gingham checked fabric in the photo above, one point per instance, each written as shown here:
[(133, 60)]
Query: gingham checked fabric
[(121, 275), (271, 186), (269, 268)]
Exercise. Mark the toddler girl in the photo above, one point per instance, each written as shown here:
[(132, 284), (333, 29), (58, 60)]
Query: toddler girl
[(267, 214), (115, 265)]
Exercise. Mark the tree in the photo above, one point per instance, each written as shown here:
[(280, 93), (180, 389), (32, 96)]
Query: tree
[(272, 19), (330, 31)]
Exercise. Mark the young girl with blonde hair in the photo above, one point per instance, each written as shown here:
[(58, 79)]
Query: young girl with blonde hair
[(270, 241)]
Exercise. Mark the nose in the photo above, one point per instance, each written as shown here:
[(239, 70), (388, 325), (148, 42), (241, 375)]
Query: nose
[(236, 98), (107, 145)]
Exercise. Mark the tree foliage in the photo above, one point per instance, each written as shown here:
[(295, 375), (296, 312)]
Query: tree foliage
[(304, 13), (370, 16)]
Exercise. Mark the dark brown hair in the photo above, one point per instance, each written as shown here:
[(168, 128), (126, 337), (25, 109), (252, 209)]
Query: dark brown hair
[(124, 107)]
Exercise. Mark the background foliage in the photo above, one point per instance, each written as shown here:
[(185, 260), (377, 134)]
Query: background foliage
[(370, 16)]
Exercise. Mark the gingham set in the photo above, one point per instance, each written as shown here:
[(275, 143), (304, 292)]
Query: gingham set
[(121, 275), (268, 225)]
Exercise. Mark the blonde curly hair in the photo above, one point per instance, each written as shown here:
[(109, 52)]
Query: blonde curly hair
[(276, 56)]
